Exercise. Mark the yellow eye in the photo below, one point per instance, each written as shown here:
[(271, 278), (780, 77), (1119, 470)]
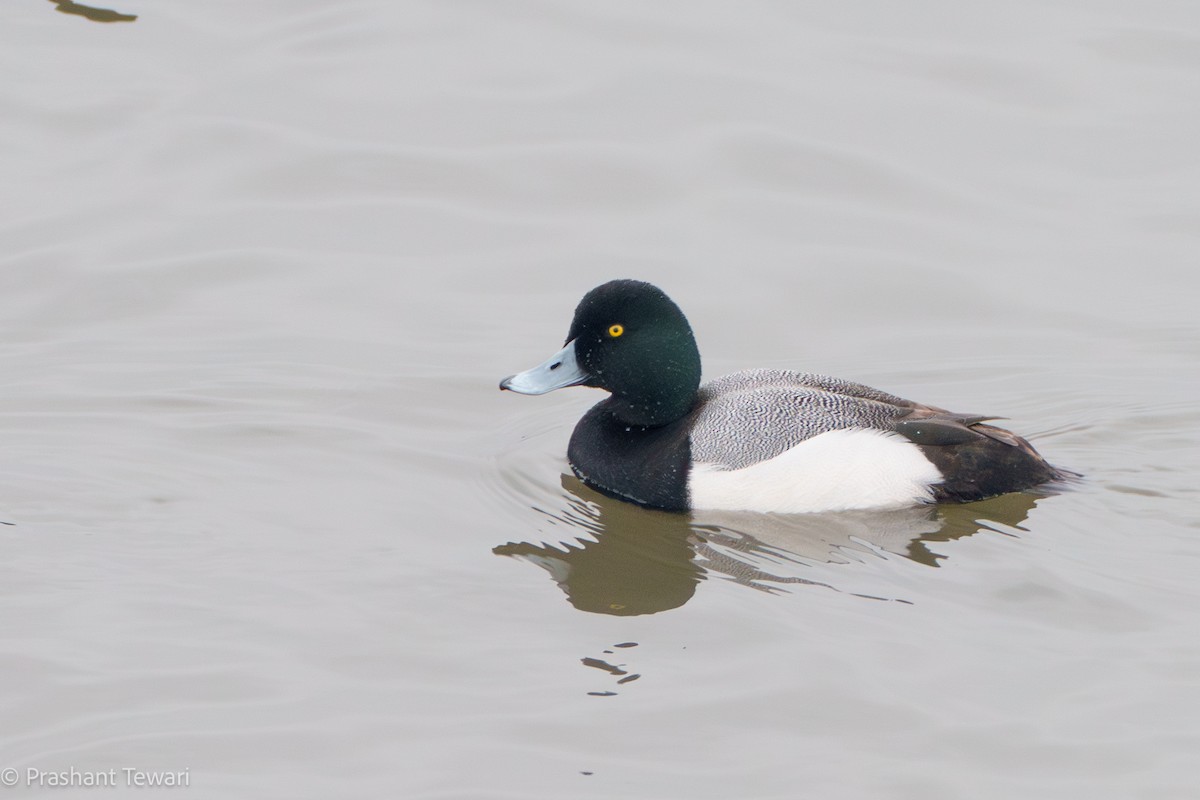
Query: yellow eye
[(616, 330)]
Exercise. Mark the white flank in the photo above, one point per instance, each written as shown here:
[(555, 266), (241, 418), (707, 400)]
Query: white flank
[(835, 471)]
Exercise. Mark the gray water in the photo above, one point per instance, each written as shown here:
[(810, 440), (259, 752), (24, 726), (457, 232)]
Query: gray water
[(276, 531)]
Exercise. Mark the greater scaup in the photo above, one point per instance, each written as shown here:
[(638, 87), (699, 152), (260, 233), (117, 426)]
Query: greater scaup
[(758, 440)]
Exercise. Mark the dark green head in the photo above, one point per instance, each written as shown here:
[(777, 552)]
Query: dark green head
[(629, 339)]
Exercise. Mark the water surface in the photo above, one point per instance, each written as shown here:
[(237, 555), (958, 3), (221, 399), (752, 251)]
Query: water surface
[(273, 524)]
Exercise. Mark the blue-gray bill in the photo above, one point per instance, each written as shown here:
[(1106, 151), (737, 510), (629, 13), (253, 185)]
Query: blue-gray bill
[(557, 372)]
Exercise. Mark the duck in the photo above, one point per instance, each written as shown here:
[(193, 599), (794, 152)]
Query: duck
[(761, 440)]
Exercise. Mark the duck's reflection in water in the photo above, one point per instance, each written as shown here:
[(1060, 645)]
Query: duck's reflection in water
[(93, 13), (640, 561), (618, 558)]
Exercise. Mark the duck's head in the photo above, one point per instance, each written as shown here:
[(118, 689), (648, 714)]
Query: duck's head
[(630, 339)]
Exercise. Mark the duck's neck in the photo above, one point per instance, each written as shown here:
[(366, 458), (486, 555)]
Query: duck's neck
[(658, 398), (649, 412)]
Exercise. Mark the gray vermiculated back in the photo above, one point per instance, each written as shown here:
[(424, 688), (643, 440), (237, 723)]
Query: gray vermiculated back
[(755, 415)]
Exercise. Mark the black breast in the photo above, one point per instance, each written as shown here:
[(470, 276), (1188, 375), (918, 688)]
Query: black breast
[(648, 466)]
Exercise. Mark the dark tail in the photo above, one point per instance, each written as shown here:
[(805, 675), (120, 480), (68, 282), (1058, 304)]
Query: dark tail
[(997, 462)]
